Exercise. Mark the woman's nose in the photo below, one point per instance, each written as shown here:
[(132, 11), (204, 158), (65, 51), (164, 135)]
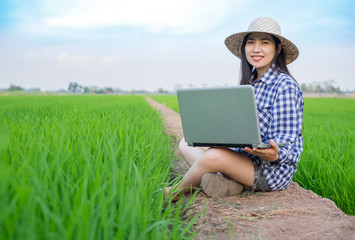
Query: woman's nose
[(256, 47)]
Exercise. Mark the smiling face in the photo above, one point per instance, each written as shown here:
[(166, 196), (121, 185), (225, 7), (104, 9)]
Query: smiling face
[(260, 50)]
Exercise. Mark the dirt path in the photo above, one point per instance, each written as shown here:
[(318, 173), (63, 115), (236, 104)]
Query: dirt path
[(295, 213)]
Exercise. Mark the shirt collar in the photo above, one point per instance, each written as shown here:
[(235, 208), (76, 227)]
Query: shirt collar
[(268, 76)]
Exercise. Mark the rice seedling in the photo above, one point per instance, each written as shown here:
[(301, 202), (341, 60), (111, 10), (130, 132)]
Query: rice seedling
[(85, 167), (168, 100), (327, 164)]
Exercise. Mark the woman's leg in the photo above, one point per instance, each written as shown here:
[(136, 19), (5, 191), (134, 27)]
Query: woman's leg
[(190, 154), (232, 164)]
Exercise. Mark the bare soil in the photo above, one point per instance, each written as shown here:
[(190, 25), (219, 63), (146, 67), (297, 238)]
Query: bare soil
[(295, 213)]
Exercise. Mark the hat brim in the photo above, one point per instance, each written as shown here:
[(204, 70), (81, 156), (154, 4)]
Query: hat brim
[(234, 44)]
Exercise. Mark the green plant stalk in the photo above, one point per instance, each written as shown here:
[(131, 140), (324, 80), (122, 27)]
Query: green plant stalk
[(84, 167)]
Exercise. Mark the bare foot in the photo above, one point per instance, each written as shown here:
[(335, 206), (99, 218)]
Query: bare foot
[(166, 191), (175, 194)]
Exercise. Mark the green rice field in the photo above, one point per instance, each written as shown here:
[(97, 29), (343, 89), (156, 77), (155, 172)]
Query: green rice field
[(86, 167), (327, 165), (91, 167)]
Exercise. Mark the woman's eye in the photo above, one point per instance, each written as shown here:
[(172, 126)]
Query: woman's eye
[(265, 42)]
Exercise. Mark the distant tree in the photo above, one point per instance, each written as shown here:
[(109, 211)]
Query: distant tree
[(100, 91), (14, 88), (330, 88), (304, 87), (161, 90), (34, 90), (142, 91), (108, 90), (75, 87), (318, 89), (87, 90)]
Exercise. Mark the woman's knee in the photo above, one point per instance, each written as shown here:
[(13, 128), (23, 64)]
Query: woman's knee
[(190, 154), (211, 159), (181, 143), (182, 146)]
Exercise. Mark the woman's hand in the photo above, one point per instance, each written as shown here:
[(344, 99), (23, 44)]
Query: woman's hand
[(269, 154)]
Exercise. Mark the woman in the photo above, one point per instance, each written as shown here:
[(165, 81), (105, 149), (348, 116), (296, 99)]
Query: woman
[(264, 55)]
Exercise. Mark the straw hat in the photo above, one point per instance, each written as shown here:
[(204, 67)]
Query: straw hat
[(266, 25)]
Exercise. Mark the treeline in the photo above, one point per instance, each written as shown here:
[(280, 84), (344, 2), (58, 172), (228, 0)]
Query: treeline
[(320, 87), (75, 88), (16, 88)]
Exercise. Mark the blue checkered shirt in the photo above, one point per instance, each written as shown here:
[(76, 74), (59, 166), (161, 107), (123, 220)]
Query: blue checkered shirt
[(279, 101)]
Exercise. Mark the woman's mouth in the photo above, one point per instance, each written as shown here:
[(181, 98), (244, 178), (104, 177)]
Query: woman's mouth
[(256, 58)]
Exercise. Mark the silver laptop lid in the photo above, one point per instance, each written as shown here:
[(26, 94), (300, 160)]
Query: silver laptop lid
[(223, 116)]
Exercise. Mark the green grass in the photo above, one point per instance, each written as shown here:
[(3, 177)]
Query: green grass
[(169, 100), (85, 167), (327, 165)]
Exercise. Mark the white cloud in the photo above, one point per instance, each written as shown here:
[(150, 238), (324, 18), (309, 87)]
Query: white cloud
[(63, 56), (183, 16), (110, 59), (76, 60)]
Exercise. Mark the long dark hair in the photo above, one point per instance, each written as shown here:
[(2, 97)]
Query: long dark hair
[(248, 74)]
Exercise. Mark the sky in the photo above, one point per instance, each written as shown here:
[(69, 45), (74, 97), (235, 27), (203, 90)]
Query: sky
[(137, 44)]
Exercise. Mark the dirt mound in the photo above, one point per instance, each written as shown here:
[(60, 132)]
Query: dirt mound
[(294, 213)]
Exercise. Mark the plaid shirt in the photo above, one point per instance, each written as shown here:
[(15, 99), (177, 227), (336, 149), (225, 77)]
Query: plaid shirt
[(279, 101)]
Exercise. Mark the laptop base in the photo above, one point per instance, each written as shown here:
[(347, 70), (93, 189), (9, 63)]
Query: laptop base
[(228, 145)]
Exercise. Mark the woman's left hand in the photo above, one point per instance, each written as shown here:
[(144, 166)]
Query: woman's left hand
[(269, 154)]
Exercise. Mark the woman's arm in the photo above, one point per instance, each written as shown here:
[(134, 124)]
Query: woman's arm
[(285, 126)]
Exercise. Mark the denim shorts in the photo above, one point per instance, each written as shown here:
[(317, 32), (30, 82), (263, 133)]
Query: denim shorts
[(260, 183)]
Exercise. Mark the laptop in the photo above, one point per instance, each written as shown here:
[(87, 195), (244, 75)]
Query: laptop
[(220, 117)]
